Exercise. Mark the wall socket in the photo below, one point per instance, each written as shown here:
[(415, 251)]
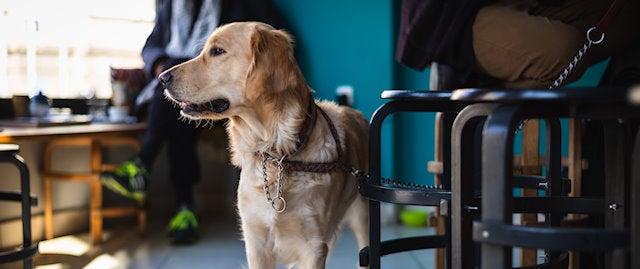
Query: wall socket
[(345, 93)]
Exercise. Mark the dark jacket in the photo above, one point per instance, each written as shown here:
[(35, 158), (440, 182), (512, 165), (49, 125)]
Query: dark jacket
[(232, 11), (440, 31)]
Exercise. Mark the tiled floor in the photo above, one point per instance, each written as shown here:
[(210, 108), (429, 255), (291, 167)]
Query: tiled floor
[(218, 247)]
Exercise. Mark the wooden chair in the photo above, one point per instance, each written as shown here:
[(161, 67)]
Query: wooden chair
[(96, 210)]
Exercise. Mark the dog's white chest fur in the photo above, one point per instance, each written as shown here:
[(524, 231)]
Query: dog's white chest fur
[(294, 233)]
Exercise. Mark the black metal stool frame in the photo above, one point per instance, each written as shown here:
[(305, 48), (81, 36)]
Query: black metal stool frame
[(635, 204), (495, 231), (406, 101), (429, 101), (465, 203), (9, 154)]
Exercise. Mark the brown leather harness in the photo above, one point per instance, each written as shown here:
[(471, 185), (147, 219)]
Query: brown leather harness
[(304, 134), (277, 201)]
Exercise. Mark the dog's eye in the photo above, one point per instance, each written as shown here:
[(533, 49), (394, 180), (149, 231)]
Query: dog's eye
[(215, 51)]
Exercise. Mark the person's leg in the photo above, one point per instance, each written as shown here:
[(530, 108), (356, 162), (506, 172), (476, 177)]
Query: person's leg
[(584, 14), (131, 178), (184, 163), (184, 173), (525, 44), (162, 119)]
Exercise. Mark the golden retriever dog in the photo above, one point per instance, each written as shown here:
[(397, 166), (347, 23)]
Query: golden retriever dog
[(295, 153)]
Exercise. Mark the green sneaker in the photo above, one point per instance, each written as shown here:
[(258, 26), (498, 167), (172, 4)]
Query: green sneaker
[(183, 227), (129, 180)]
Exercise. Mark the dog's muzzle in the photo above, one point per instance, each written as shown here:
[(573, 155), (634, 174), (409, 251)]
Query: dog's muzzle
[(216, 106)]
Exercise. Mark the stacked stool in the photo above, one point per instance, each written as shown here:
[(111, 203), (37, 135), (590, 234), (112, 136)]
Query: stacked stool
[(25, 252), (483, 215), (379, 190), (495, 231), (451, 199)]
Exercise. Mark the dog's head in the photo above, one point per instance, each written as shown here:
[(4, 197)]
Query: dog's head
[(242, 63)]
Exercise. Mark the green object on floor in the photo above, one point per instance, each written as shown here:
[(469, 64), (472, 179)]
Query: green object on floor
[(414, 218)]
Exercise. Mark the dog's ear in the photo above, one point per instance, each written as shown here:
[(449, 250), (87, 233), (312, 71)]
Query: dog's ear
[(273, 68)]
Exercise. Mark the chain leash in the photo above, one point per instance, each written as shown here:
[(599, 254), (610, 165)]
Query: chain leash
[(577, 58), (359, 174), (574, 62), (279, 184)]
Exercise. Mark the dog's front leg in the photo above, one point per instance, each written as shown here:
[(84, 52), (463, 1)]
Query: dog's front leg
[(315, 257), (358, 219), (258, 247), (259, 256)]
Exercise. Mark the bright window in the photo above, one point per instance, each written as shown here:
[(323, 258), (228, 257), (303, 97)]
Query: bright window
[(66, 47)]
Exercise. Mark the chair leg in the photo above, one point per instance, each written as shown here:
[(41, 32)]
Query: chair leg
[(440, 224), (374, 234), (96, 193), (25, 193), (635, 203), (25, 252), (96, 211), (497, 167), (463, 182), (48, 210), (575, 174), (142, 218), (615, 187), (530, 166)]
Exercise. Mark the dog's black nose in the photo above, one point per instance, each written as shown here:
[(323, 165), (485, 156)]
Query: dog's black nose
[(165, 79)]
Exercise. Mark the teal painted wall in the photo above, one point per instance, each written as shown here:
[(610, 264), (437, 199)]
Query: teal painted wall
[(343, 43)]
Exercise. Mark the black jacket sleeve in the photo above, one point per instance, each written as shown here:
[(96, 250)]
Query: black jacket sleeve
[(153, 49), (437, 30)]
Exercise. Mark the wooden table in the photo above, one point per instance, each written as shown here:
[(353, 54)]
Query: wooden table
[(13, 134)]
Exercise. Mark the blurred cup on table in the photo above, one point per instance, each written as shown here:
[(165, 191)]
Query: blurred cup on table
[(119, 97), (97, 109), (118, 113)]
